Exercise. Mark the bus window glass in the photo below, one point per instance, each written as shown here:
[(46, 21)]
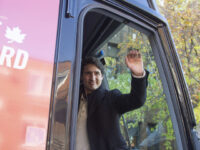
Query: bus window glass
[(149, 127)]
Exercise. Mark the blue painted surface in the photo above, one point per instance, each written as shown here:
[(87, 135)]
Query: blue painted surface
[(66, 44)]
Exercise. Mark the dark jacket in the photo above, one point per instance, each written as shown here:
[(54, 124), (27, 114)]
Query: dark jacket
[(104, 111)]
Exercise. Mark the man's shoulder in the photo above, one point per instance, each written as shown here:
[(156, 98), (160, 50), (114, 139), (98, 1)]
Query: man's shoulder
[(113, 92)]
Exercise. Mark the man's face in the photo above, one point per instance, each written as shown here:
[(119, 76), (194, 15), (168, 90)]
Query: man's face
[(92, 78)]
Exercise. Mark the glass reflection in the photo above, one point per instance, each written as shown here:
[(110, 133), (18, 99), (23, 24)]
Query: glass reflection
[(59, 128)]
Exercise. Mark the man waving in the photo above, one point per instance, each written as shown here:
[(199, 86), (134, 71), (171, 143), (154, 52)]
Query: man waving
[(100, 109)]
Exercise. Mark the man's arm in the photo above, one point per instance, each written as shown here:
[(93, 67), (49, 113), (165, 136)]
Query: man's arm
[(135, 99), (137, 96)]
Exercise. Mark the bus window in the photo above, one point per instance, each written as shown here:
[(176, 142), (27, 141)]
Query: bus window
[(108, 39), (149, 127)]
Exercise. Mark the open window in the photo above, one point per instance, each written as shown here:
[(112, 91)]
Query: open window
[(109, 38)]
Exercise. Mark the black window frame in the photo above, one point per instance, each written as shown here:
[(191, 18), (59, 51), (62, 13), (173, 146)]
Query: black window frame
[(181, 130)]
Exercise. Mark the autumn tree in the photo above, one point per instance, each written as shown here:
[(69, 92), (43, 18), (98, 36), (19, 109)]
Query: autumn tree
[(184, 20)]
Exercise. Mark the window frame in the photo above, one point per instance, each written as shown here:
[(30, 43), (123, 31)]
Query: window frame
[(180, 128)]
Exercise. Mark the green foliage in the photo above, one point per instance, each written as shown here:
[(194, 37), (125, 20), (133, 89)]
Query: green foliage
[(122, 83)]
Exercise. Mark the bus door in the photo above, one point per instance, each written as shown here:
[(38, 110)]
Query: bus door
[(107, 29)]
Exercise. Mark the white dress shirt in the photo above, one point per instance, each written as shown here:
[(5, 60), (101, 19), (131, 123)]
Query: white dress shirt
[(82, 142)]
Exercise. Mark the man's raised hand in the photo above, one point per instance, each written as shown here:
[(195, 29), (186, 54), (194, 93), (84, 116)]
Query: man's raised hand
[(135, 63)]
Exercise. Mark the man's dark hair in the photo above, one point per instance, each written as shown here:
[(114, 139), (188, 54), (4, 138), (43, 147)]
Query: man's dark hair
[(93, 61)]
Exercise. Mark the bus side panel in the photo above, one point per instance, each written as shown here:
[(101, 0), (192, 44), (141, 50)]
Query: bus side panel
[(27, 47)]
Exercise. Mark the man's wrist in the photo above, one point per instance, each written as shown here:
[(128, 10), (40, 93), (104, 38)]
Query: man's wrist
[(139, 76)]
